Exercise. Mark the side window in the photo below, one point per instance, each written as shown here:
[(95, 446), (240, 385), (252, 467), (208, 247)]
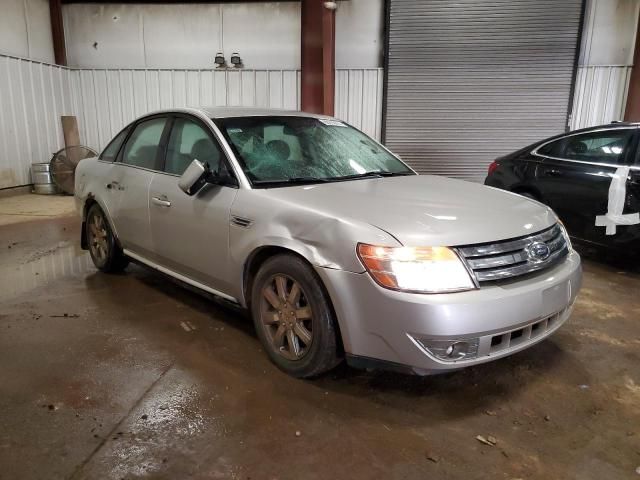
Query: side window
[(607, 147), (109, 153), (553, 149), (142, 147), (189, 141)]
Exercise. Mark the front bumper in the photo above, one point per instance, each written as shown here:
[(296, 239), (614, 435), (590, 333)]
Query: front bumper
[(399, 327)]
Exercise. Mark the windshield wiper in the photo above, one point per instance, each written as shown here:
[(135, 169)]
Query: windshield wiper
[(291, 181), (372, 174)]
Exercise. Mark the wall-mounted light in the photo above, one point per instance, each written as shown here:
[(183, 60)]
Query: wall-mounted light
[(219, 60), (330, 5), (236, 61)]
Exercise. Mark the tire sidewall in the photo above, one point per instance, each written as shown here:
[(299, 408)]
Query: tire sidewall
[(322, 354), (108, 263)]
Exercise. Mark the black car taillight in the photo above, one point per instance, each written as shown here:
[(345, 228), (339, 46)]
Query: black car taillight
[(492, 166)]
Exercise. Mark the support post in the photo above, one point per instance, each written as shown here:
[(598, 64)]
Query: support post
[(57, 32), (318, 56), (632, 111)]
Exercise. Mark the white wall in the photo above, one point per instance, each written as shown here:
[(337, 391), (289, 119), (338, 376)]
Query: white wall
[(606, 57), (359, 33), (25, 29), (609, 32), (266, 35)]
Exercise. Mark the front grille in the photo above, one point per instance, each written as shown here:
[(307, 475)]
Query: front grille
[(491, 262)]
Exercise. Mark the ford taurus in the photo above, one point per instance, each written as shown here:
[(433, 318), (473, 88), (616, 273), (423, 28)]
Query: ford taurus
[(336, 247)]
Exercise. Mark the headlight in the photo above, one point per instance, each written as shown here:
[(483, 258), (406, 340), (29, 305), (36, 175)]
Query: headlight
[(565, 234), (416, 269)]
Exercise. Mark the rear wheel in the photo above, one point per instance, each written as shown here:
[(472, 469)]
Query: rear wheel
[(293, 317), (103, 248)]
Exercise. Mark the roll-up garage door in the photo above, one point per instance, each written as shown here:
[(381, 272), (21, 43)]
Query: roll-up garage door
[(470, 80)]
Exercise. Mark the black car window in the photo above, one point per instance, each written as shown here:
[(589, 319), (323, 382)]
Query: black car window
[(607, 146), (109, 154), (142, 147), (189, 141), (553, 149)]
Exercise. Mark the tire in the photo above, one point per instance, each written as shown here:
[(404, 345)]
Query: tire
[(107, 256), (283, 326)]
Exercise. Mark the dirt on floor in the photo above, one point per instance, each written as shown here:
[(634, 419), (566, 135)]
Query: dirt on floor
[(128, 376)]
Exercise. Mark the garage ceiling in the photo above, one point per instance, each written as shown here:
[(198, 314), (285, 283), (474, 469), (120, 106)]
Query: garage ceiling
[(468, 81)]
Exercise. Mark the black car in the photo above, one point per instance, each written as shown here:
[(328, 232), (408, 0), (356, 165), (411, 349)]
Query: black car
[(590, 177)]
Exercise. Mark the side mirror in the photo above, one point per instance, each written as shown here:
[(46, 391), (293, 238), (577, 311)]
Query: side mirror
[(194, 177)]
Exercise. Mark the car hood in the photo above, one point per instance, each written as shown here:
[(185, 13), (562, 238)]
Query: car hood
[(425, 210)]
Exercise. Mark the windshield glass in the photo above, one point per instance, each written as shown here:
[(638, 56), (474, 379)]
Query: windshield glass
[(290, 149)]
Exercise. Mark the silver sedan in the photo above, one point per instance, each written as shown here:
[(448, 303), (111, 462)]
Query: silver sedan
[(337, 248)]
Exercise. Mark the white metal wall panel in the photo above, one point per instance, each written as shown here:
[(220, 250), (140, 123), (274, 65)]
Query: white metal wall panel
[(606, 59), (109, 99), (600, 95), (358, 98), (33, 96), (469, 81)]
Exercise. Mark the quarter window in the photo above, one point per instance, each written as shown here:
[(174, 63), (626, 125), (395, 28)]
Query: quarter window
[(189, 141), (608, 146), (144, 144), (109, 153)]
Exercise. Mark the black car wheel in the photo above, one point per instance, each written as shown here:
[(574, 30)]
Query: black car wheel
[(103, 248), (293, 317)]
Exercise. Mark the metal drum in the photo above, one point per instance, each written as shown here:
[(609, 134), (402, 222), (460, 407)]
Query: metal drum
[(41, 176)]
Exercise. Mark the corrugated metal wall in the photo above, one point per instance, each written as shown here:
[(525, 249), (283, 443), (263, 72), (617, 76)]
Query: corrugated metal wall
[(34, 95), (109, 99), (358, 99), (600, 94), (468, 81), (606, 59)]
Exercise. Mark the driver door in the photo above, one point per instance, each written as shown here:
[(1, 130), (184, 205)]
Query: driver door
[(190, 234)]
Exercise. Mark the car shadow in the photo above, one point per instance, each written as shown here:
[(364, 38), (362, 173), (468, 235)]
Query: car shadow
[(443, 396)]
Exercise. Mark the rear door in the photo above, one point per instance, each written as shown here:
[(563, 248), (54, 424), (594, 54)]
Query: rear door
[(577, 173), (191, 233), (129, 182)]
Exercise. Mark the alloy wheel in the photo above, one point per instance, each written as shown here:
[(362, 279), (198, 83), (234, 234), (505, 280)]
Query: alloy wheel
[(286, 316), (98, 238)]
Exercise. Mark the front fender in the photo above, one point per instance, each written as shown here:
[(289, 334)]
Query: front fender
[(324, 241)]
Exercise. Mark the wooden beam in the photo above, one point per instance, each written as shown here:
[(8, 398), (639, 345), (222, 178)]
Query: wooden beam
[(70, 130), (632, 112), (57, 32), (317, 57)]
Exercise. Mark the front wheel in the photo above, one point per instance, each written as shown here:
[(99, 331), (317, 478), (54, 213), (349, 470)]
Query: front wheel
[(103, 248), (293, 317)]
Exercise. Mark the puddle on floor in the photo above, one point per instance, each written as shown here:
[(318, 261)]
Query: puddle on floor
[(43, 268)]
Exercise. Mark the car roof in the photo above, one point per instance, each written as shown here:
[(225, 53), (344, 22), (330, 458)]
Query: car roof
[(227, 112)]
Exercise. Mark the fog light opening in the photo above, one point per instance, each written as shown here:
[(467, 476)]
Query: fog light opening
[(457, 350)]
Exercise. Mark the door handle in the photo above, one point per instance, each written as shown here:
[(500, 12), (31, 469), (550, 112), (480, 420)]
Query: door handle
[(113, 185), (553, 173), (161, 201)]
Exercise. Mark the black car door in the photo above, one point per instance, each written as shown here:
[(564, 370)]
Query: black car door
[(576, 176)]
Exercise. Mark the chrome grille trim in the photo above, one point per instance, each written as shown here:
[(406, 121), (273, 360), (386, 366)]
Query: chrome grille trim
[(509, 259)]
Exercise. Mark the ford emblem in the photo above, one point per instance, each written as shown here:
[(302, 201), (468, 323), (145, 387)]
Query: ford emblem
[(538, 251)]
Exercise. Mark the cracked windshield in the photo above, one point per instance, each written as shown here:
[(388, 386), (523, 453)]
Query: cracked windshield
[(290, 150)]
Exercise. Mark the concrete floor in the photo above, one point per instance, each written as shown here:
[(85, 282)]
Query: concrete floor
[(132, 376)]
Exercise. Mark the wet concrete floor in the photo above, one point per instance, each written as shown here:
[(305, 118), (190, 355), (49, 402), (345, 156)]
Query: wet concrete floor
[(132, 376)]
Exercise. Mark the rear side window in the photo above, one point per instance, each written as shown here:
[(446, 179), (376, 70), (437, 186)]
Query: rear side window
[(608, 146), (109, 154), (143, 145)]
